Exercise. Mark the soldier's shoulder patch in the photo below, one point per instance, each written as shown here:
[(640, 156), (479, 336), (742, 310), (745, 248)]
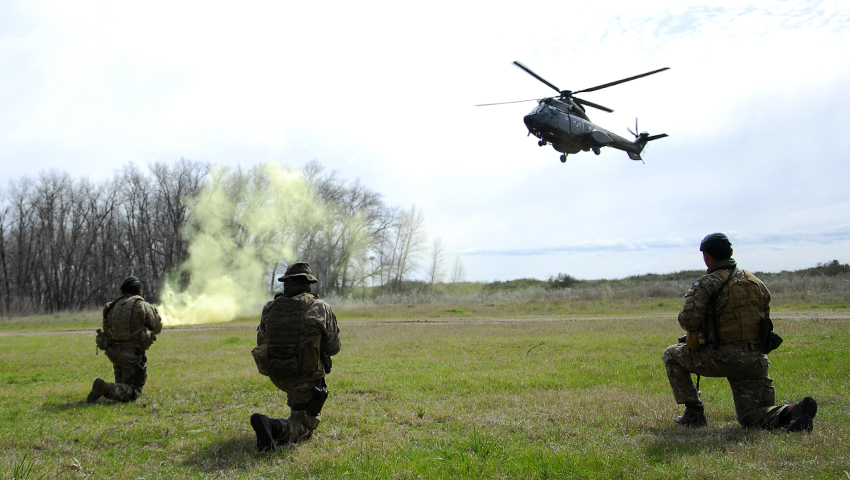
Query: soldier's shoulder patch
[(696, 284)]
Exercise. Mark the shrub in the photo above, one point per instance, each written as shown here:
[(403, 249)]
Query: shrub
[(563, 281)]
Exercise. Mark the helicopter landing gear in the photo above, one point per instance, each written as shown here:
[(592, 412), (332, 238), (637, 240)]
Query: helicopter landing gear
[(596, 150), (541, 143), (563, 158)]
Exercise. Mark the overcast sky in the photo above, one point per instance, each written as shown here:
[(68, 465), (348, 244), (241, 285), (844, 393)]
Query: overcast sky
[(756, 106)]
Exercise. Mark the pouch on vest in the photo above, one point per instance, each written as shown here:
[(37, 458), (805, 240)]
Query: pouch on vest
[(147, 339), (261, 358), (695, 339), (282, 362), (770, 340), (309, 358), (773, 342)]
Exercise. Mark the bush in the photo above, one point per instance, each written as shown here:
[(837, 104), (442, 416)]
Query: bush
[(511, 285), (830, 269), (563, 281)]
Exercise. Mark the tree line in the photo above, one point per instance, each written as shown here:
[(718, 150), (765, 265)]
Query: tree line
[(65, 243)]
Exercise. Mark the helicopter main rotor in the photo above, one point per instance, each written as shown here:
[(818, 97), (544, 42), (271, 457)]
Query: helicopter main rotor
[(568, 94)]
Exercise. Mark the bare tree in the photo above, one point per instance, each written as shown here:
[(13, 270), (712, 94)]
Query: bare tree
[(23, 246), (458, 271), (354, 221), (175, 185), (155, 212), (406, 247), (4, 262), (434, 270), (65, 243)]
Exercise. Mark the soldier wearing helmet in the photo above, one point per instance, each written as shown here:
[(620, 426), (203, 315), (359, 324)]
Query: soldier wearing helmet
[(130, 325), (729, 332), (296, 337)]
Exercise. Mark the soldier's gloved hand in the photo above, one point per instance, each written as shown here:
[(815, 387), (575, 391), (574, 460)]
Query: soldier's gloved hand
[(101, 340)]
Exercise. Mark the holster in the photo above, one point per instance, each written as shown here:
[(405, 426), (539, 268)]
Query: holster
[(770, 340), (314, 407), (327, 363)]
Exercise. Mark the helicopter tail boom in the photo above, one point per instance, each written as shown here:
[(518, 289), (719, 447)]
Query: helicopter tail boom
[(640, 143)]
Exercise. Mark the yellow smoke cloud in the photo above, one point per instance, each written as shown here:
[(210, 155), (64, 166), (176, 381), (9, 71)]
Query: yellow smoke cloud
[(243, 223)]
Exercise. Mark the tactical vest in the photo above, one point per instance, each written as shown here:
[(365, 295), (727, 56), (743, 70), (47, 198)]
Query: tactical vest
[(294, 347), (741, 319), (123, 322)]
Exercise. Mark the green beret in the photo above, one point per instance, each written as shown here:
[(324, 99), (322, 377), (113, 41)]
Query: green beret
[(129, 281), (714, 240)]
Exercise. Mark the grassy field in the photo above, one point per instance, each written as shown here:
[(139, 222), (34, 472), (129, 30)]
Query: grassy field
[(527, 389)]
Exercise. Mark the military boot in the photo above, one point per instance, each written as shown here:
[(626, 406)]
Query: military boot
[(301, 425), (798, 417), (98, 389), (694, 416), (267, 430)]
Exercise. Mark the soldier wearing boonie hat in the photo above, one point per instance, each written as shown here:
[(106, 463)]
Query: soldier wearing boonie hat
[(299, 269), (727, 319), (130, 325), (297, 335)]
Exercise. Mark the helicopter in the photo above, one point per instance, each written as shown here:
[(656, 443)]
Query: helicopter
[(562, 122)]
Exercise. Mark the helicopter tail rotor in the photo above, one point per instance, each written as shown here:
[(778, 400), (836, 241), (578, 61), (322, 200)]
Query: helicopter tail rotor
[(636, 129), (641, 139)]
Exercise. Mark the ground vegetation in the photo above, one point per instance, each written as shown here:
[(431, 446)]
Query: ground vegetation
[(539, 389)]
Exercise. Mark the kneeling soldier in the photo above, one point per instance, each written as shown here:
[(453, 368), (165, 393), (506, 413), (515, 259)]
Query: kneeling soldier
[(295, 340), (130, 325), (727, 317)]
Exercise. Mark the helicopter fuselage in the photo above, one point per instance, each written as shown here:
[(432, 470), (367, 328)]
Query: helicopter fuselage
[(567, 128)]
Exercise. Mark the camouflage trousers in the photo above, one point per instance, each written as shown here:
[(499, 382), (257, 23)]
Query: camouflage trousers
[(131, 373), (300, 424), (745, 370)]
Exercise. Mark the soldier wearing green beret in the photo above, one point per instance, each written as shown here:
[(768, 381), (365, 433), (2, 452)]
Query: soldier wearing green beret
[(130, 325), (727, 319), (296, 337)]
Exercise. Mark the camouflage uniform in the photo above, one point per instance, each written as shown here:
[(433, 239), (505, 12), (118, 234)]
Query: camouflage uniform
[(130, 325), (319, 322), (742, 363)]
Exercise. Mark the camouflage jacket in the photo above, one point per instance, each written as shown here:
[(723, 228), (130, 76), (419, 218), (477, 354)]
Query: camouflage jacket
[(319, 313), (696, 308), (131, 321)]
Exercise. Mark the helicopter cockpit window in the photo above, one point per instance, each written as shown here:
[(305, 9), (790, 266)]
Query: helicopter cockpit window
[(538, 108)]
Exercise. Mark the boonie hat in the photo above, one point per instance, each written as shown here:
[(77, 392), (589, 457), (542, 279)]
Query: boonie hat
[(714, 240), (299, 269)]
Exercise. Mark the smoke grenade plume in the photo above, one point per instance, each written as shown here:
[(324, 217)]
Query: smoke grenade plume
[(243, 223)]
